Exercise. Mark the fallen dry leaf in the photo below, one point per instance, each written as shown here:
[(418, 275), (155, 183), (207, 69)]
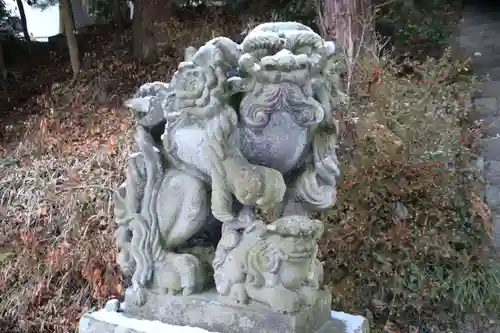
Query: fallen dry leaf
[(390, 327), (481, 209)]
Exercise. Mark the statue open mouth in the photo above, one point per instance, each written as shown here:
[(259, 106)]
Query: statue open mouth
[(299, 254)]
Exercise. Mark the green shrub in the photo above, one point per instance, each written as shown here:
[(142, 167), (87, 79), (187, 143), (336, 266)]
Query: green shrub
[(418, 27), (406, 231)]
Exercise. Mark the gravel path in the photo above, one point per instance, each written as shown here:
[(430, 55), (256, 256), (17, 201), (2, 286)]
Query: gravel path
[(479, 38)]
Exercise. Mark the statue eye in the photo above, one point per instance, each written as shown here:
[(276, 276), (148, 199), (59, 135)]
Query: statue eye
[(270, 67)]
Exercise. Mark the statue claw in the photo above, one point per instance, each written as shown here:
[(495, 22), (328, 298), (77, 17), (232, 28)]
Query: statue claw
[(239, 293), (187, 291)]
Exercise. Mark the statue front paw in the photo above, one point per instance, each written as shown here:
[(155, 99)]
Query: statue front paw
[(136, 294), (283, 300), (277, 298), (274, 188), (256, 185), (238, 293)]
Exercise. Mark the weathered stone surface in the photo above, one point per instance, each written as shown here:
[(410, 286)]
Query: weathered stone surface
[(492, 172), (492, 195), (288, 247), (213, 312), (114, 322), (479, 39), (492, 124), (210, 313), (486, 106), (92, 323), (491, 151), (494, 74), (490, 88)]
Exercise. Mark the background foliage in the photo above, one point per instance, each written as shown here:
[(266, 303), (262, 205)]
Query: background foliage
[(404, 245), (406, 240), (3, 10)]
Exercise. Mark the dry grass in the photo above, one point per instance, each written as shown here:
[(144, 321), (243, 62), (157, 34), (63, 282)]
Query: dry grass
[(57, 168), (405, 241), (57, 255)]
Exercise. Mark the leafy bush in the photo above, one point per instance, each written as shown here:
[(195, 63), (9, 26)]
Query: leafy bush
[(418, 27), (3, 11), (5, 26), (406, 235), (408, 229)]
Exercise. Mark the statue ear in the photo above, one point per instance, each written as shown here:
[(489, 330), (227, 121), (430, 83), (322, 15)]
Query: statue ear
[(189, 53)]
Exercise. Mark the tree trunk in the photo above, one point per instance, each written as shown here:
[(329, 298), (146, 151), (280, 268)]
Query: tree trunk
[(80, 16), (118, 18), (3, 71), (69, 30), (145, 48), (61, 18), (2, 60), (24, 23), (69, 18), (350, 24)]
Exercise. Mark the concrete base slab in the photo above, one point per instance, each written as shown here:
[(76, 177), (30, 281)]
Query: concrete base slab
[(106, 321)]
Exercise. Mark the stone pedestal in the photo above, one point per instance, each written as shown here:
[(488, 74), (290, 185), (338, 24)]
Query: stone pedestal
[(209, 312)]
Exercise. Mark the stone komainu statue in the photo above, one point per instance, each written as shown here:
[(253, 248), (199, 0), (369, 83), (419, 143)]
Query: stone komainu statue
[(238, 126)]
